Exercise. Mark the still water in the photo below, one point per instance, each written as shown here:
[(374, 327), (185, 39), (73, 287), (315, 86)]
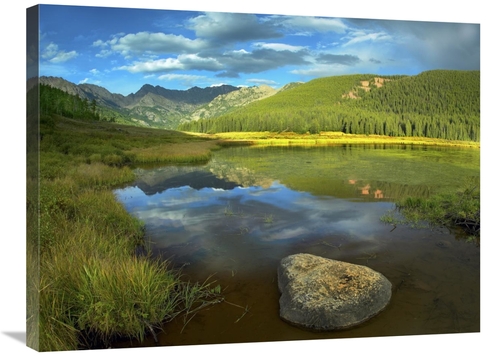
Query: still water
[(233, 219)]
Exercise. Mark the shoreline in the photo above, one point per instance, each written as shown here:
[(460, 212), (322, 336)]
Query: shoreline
[(325, 139)]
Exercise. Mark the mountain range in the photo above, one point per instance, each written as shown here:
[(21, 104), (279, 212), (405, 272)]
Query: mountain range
[(155, 106), (439, 103)]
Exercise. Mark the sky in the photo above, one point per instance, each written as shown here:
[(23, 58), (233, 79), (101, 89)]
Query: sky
[(122, 49)]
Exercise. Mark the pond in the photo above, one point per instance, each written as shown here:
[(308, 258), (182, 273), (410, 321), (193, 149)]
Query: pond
[(233, 219)]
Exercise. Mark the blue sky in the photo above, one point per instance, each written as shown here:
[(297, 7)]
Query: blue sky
[(122, 49)]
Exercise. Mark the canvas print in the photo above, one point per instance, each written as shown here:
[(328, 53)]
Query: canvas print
[(199, 177)]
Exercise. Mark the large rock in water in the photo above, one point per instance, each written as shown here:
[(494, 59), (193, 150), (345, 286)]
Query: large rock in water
[(324, 294)]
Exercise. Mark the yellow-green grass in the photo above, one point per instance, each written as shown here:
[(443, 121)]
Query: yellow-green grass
[(175, 152), (86, 284), (91, 282), (118, 145), (325, 139)]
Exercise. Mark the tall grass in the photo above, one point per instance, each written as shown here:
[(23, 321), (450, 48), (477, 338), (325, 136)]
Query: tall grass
[(188, 152), (86, 285)]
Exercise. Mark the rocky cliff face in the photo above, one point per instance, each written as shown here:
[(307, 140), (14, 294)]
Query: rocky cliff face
[(225, 103)]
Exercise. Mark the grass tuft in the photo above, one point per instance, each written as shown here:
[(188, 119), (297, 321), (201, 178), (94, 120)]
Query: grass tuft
[(85, 285)]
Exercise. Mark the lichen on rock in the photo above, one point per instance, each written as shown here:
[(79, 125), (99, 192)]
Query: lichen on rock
[(324, 294)]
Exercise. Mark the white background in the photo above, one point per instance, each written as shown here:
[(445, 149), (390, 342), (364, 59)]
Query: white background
[(12, 173)]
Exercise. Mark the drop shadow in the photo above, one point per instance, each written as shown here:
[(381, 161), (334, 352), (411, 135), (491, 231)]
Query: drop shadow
[(17, 335)]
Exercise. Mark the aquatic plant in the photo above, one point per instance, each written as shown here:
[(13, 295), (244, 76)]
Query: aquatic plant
[(268, 218), (459, 209)]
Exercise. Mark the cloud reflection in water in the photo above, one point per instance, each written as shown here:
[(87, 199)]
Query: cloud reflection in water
[(272, 214)]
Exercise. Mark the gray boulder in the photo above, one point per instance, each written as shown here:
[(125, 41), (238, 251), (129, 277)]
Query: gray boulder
[(323, 294)]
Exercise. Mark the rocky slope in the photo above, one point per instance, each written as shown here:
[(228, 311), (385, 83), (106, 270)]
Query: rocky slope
[(152, 106), (228, 102)]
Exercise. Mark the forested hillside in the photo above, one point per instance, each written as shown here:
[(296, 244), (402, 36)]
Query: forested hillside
[(436, 104), (57, 101)]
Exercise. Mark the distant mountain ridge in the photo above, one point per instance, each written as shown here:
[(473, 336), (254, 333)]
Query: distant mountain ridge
[(88, 91), (150, 106), (194, 95)]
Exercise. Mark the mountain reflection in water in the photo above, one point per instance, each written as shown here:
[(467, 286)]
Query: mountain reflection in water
[(274, 213), (236, 217)]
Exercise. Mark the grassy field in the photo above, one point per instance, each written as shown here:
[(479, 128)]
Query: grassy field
[(86, 284), (325, 139)]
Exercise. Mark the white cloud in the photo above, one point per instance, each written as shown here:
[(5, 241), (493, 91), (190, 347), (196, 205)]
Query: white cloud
[(89, 81), (262, 81), (232, 27), (193, 61), (315, 24), (53, 54), (160, 65), (50, 51), (237, 52), (181, 77), (146, 42), (321, 70), (63, 56), (279, 46), (187, 80), (99, 43), (104, 53), (361, 36), (182, 62)]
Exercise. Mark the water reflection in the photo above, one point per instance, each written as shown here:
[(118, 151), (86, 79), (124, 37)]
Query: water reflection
[(350, 172), (282, 194), (160, 179), (267, 214), (237, 216)]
